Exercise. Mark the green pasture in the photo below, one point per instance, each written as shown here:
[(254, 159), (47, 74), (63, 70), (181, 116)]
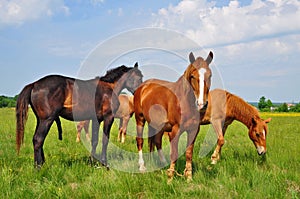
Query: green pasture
[(67, 173)]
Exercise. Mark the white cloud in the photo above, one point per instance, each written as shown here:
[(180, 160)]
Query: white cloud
[(96, 2), (210, 25), (17, 12)]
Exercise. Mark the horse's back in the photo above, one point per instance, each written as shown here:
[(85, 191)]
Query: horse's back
[(48, 93)]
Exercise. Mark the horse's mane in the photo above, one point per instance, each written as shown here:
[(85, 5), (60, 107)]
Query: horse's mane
[(114, 74), (243, 111)]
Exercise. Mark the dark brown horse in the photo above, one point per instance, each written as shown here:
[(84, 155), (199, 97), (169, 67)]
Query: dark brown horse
[(124, 113), (174, 107), (57, 96), (223, 108)]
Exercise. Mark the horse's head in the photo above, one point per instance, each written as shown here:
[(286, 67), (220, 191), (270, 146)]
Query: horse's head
[(198, 75), (133, 79), (258, 133)]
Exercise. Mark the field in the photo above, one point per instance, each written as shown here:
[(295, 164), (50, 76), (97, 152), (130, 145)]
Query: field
[(67, 173)]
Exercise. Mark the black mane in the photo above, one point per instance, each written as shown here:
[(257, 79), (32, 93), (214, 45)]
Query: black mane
[(114, 74)]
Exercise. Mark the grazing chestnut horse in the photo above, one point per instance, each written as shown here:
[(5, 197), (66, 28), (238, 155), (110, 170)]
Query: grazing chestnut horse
[(174, 107), (57, 96), (223, 108), (124, 113)]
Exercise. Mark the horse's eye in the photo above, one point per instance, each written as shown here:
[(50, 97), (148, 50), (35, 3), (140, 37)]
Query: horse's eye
[(257, 134)]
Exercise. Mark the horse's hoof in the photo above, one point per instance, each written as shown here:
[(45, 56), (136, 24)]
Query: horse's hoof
[(170, 173), (169, 180), (142, 169), (213, 162), (38, 167), (188, 174)]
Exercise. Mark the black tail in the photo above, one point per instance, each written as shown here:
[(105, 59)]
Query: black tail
[(22, 114)]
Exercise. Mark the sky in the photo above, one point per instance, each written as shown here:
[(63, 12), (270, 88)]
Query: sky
[(256, 44)]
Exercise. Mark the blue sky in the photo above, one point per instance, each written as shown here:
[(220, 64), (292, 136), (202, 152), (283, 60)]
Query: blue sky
[(256, 43)]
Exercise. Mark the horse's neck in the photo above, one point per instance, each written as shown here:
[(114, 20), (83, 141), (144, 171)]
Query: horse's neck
[(183, 90), (244, 113), (118, 86)]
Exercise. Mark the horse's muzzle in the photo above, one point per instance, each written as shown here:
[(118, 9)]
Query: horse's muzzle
[(261, 150), (202, 107)]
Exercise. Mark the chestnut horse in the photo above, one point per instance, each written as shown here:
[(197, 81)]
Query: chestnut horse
[(124, 113), (223, 108), (57, 96), (174, 107)]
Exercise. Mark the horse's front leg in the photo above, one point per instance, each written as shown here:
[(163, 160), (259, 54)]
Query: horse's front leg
[(95, 137), (189, 153), (108, 121), (217, 125)]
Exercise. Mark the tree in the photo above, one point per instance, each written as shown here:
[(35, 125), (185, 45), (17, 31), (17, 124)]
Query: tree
[(269, 103), (262, 103), (295, 108), (283, 108), (7, 101)]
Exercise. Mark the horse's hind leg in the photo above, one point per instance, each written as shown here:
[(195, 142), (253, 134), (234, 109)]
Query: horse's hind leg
[(40, 134), (120, 130), (174, 138), (58, 123), (86, 129), (140, 122), (79, 129), (158, 143), (124, 128)]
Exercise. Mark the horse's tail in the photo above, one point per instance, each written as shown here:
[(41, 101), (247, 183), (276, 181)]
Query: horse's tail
[(22, 114)]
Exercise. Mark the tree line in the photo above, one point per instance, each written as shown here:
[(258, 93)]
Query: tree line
[(8, 101), (265, 105)]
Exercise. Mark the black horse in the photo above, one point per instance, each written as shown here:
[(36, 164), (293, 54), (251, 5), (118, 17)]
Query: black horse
[(76, 100)]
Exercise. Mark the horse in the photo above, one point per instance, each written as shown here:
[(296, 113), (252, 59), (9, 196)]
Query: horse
[(55, 96), (124, 113), (174, 107), (224, 108)]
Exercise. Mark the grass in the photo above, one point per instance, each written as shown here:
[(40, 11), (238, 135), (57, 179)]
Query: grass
[(67, 173)]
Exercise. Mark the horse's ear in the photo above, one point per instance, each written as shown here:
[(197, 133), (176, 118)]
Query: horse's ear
[(136, 65), (192, 57), (268, 120), (209, 57)]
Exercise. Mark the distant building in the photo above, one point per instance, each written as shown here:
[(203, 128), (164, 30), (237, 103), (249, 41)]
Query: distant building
[(289, 105)]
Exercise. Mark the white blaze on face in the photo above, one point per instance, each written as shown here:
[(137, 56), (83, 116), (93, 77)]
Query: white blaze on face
[(264, 134), (200, 100)]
